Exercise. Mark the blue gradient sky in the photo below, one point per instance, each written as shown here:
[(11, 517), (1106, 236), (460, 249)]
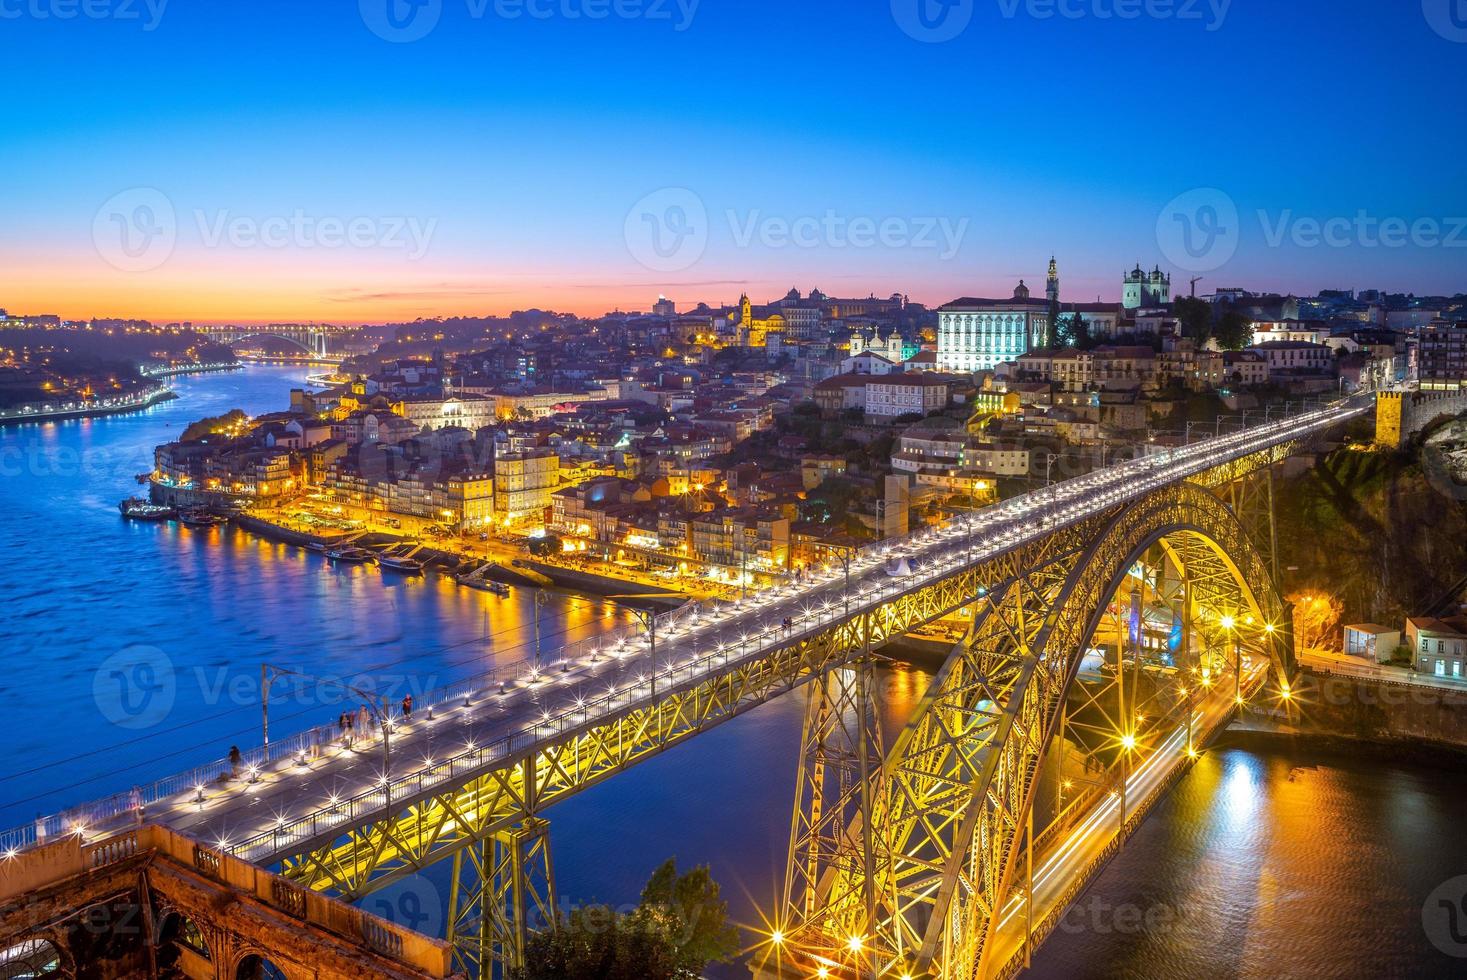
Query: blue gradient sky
[(525, 143)]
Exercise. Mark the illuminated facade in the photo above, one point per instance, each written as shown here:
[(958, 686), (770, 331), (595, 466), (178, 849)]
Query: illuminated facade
[(980, 334), (525, 485), (1145, 290), (754, 332)]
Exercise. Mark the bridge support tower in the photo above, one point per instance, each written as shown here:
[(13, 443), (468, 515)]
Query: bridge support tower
[(503, 889)]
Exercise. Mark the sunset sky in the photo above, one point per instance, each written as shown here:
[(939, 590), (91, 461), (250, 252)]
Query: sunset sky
[(498, 164)]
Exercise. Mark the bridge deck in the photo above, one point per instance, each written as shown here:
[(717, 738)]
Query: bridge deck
[(497, 719)]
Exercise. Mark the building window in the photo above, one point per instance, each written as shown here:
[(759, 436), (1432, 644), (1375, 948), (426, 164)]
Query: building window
[(1441, 668)]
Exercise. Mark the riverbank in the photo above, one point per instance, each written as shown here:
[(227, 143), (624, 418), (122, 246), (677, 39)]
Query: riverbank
[(1366, 710), (154, 396), (191, 369), (1415, 753)]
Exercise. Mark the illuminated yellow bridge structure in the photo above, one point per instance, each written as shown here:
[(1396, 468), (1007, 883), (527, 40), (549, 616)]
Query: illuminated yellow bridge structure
[(905, 860)]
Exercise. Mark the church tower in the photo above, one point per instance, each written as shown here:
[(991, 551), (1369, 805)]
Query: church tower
[(1053, 289)]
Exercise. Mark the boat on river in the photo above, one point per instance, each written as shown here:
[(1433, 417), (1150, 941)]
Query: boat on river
[(400, 563), (201, 519), (138, 509), (351, 556)]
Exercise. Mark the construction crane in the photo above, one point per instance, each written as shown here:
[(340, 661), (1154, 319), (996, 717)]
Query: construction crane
[(1194, 285)]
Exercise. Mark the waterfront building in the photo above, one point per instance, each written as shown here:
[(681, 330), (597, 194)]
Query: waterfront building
[(1371, 642), (980, 334), (742, 539), (1439, 646), (525, 485), (453, 494)]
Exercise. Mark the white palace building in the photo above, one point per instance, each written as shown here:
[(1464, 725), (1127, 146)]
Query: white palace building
[(980, 334)]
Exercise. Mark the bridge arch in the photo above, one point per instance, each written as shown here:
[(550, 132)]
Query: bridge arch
[(311, 344), (258, 966), (956, 792)]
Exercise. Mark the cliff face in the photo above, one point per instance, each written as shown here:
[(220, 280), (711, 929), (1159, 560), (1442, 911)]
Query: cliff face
[(1375, 530)]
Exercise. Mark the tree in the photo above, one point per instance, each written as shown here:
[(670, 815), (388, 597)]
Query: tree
[(595, 943), (1075, 332), (1233, 330), (680, 927), (689, 908), (218, 425), (1195, 317)]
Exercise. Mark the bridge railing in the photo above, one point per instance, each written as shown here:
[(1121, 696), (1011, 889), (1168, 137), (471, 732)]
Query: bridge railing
[(626, 641)]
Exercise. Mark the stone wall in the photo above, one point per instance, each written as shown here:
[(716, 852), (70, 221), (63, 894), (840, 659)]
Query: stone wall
[(1368, 709)]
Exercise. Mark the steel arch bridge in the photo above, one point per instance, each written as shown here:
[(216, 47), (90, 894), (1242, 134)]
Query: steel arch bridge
[(948, 803), (951, 803), (312, 340)]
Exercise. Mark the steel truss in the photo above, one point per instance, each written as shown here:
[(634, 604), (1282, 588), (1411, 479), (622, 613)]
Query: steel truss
[(503, 888), (946, 805), (840, 751), (955, 795), (426, 825)]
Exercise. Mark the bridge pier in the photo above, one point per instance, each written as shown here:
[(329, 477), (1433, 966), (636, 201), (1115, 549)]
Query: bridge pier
[(838, 782), (503, 889)]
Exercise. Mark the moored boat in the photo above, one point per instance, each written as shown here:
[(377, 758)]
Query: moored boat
[(200, 519), (137, 509), (408, 566), (351, 556)]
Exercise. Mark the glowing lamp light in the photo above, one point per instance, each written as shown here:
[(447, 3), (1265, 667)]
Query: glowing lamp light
[(1228, 622), (777, 938), (854, 944)]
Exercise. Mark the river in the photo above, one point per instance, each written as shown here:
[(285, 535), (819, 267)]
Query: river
[(1273, 862)]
